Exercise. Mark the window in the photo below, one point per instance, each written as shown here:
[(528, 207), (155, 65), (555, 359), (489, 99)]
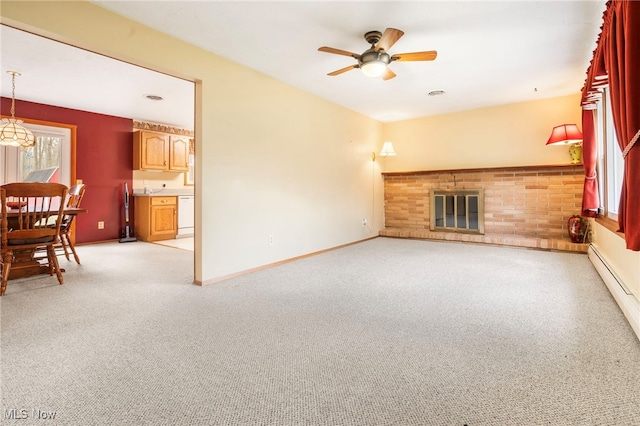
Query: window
[(52, 149), (610, 161)]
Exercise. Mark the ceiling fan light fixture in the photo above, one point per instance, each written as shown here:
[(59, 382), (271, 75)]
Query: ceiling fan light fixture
[(374, 61), (374, 68)]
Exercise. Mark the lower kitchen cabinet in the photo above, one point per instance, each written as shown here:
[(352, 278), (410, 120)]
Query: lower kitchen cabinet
[(155, 218)]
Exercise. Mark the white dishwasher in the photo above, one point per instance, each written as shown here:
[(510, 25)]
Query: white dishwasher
[(185, 215)]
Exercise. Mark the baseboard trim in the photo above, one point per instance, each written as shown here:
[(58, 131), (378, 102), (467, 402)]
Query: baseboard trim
[(88, 243), (281, 262), (628, 304)]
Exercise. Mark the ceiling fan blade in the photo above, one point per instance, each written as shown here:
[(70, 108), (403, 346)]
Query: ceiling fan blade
[(388, 74), (388, 39), (415, 56), (338, 52), (345, 69)]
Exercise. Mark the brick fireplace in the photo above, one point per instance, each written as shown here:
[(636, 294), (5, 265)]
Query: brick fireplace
[(523, 206)]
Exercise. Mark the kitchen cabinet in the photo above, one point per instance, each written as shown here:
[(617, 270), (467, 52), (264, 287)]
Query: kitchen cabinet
[(155, 218), (178, 153), (160, 151), (150, 151)]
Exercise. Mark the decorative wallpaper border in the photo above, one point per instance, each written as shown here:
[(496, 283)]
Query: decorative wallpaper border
[(143, 125)]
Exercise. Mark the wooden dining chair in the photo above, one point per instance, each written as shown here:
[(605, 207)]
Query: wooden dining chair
[(31, 214), (76, 192)]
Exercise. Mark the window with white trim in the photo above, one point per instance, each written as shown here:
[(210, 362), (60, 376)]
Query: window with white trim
[(610, 161), (52, 149)]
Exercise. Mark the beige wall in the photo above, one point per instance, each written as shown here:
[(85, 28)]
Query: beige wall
[(625, 263), (507, 135), (272, 160)]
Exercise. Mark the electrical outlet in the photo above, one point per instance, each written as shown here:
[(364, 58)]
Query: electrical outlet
[(271, 240), (101, 225), (364, 221)]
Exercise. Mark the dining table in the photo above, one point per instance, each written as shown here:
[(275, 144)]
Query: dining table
[(25, 262)]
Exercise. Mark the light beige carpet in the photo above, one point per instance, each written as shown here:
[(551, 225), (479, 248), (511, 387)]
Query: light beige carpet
[(386, 332), (181, 243)]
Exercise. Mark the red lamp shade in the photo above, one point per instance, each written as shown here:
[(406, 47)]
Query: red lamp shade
[(565, 134)]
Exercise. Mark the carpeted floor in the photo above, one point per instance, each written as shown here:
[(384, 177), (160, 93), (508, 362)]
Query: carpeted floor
[(181, 243), (386, 332)]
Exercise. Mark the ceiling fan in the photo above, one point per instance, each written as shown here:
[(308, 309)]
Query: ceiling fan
[(373, 61)]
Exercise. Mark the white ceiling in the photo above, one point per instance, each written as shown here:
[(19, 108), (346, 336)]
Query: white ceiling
[(489, 53), (58, 74)]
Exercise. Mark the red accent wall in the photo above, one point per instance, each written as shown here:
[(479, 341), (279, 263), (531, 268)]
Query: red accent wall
[(104, 157)]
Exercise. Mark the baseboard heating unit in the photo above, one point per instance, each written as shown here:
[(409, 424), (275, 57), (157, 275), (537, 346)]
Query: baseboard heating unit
[(625, 299)]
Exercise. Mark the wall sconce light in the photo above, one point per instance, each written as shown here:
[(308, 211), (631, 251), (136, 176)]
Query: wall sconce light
[(387, 150), (11, 131), (568, 134)]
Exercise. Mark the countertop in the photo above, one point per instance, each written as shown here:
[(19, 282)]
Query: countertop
[(166, 192)]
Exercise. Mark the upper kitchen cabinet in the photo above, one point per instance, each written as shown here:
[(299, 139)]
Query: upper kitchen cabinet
[(178, 153), (150, 151), (160, 151)]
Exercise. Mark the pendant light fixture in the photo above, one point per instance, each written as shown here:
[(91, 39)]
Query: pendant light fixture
[(12, 133)]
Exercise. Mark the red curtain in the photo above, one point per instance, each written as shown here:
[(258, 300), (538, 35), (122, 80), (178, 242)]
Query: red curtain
[(590, 201), (616, 62), (622, 61)]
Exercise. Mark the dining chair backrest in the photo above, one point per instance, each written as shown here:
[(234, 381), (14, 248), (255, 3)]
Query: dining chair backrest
[(36, 212), (74, 197)]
